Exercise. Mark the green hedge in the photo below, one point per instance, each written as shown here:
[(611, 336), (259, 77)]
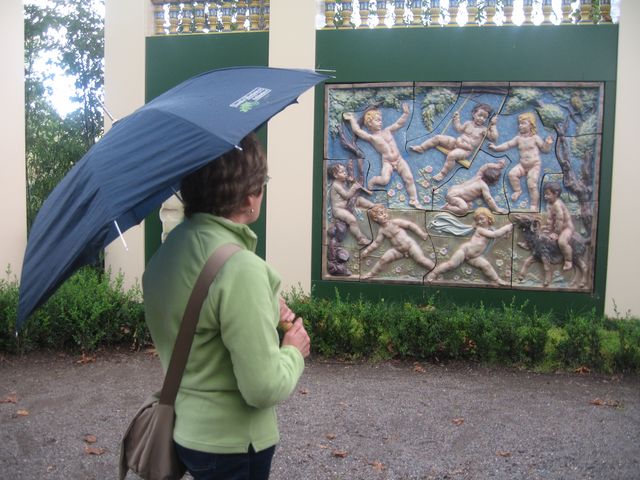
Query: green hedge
[(510, 335), (89, 312)]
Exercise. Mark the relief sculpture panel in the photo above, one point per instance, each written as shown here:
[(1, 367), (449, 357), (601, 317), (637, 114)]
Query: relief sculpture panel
[(462, 184)]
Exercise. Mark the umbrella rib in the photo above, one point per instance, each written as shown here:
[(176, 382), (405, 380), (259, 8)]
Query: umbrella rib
[(121, 236)]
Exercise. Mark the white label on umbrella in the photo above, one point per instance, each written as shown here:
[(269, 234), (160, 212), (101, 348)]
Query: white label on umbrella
[(251, 99)]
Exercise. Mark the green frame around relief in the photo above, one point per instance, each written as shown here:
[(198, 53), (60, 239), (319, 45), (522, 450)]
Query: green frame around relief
[(501, 54)]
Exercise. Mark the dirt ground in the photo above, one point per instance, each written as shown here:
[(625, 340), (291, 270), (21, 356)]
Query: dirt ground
[(392, 420)]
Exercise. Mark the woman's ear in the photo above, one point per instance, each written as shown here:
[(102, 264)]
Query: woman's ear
[(253, 202), (253, 199), (247, 202)]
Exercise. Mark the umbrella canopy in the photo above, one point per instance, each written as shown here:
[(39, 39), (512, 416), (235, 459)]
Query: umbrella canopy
[(139, 163)]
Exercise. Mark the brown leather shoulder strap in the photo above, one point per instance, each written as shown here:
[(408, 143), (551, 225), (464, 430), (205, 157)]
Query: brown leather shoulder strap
[(190, 320)]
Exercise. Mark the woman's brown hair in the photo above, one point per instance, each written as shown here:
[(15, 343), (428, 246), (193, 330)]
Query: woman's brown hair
[(222, 185)]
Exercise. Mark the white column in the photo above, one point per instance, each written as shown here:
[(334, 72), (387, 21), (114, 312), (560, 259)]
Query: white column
[(290, 148), (13, 195), (126, 24), (623, 269)]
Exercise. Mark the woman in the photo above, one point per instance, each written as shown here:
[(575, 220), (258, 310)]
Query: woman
[(237, 371)]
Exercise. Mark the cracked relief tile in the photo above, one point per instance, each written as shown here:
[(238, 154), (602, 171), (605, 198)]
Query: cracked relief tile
[(450, 149)]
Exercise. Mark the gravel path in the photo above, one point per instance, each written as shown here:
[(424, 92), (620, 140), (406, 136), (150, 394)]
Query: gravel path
[(392, 420)]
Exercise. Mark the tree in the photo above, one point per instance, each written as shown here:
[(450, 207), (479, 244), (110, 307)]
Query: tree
[(72, 36), (82, 57)]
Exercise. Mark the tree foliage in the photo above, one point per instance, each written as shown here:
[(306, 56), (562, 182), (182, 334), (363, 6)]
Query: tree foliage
[(71, 36), (352, 101), (437, 101), (82, 56)]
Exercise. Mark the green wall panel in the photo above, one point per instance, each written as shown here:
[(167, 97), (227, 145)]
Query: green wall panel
[(491, 54), (544, 53), (173, 59)]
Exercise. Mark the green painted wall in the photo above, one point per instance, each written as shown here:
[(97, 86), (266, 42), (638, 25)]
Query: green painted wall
[(543, 53), (173, 59)]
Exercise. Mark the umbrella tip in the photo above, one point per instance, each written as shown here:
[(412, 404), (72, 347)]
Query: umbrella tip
[(107, 112), (238, 147), (327, 72)]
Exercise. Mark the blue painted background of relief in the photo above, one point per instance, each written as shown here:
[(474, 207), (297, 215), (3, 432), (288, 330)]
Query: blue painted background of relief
[(572, 110)]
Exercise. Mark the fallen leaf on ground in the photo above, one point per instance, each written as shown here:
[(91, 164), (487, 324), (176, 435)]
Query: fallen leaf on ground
[(84, 359), (339, 453), (458, 421), (377, 466), (303, 391), (22, 412), (604, 403), (582, 370), (90, 438), (322, 445), (11, 398), (151, 351), (94, 450), (502, 453), (51, 468), (418, 368), (330, 436)]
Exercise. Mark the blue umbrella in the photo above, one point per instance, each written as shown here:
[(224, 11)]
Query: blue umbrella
[(139, 163)]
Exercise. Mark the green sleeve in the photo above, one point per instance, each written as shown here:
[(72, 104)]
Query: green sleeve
[(248, 315)]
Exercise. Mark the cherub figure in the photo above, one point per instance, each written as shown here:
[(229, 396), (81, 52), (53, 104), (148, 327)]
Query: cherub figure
[(460, 197), (340, 196), (559, 225), (472, 251), (402, 245), (382, 140), (473, 132), (529, 146)]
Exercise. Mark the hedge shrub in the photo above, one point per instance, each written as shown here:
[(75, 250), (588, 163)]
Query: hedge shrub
[(90, 312), (509, 335), (86, 312)]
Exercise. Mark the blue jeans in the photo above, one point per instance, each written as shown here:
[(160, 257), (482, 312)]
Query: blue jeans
[(227, 466)]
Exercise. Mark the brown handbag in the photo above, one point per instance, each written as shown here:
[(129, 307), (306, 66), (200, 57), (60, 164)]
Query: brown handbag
[(147, 446)]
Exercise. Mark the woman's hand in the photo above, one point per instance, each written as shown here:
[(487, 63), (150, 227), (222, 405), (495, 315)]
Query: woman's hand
[(297, 337), (286, 314)]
